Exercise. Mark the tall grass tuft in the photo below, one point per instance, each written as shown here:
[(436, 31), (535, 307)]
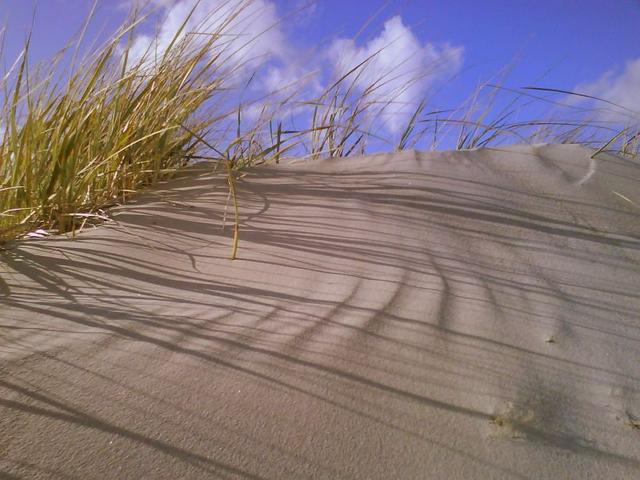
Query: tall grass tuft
[(78, 142)]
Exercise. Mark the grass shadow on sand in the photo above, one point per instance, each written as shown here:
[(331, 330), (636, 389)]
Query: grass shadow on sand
[(316, 227)]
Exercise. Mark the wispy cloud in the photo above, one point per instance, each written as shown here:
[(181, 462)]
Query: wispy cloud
[(404, 67), (250, 28), (620, 87), (256, 42)]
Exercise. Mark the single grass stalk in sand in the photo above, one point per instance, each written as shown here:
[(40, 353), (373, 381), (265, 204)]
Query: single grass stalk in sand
[(409, 130), (231, 165), (231, 179)]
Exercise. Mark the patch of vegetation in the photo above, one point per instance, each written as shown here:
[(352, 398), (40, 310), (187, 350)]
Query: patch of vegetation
[(78, 139)]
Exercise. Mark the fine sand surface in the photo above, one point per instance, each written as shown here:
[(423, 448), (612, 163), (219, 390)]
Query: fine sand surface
[(470, 315)]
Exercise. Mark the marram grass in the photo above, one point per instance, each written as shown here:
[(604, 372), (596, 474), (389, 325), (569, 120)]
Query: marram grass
[(73, 146)]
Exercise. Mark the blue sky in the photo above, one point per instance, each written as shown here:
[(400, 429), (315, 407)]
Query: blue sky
[(585, 45)]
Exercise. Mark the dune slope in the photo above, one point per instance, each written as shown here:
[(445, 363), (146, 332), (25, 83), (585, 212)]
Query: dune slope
[(417, 316)]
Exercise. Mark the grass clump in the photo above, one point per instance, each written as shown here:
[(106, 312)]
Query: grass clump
[(77, 142)]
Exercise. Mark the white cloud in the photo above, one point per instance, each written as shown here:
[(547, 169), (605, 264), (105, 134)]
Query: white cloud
[(619, 87), (407, 67), (257, 38), (250, 28), (281, 87), (290, 77)]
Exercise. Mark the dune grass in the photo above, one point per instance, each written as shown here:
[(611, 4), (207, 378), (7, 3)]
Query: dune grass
[(72, 146), (486, 122), (86, 134)]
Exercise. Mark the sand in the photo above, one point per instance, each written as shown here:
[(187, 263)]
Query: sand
[(468, 315)]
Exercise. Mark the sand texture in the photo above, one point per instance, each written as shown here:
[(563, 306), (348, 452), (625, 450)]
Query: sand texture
[(469, 315)]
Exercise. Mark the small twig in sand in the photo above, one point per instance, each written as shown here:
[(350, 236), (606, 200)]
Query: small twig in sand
[(633, 421)]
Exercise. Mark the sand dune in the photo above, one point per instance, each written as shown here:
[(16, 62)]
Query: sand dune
[(418, 316)]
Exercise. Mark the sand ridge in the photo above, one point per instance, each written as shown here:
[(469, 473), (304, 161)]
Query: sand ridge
[(413, 315)]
